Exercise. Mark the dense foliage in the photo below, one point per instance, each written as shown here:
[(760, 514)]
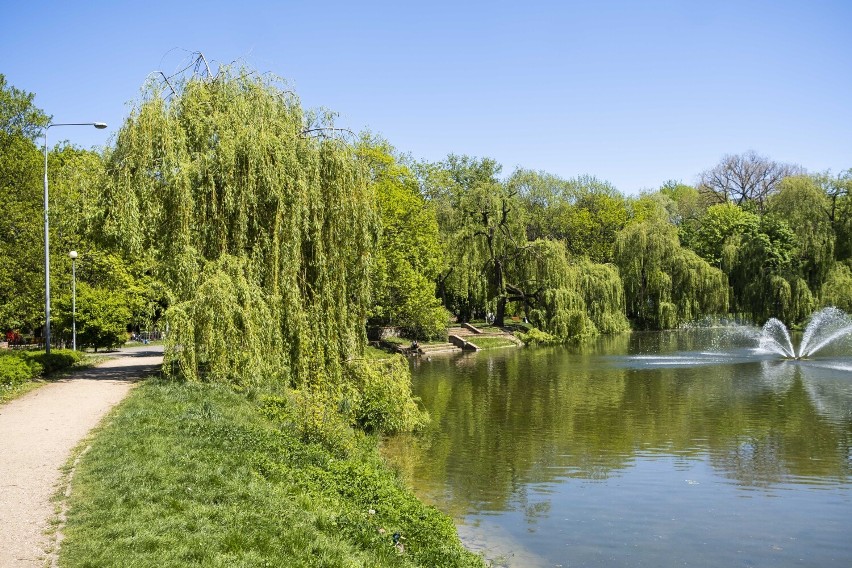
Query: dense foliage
[(265, 239), (262, 234), (408, 255), (17, 367), (666, 284)]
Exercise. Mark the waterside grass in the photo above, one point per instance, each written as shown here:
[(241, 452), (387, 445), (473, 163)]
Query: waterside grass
[(492, 342), (199, 475)]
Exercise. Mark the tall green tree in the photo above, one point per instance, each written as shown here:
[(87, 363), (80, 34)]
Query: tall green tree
[(761, 267), (687, 203), (805, 208), (709, 235), (261, 222), (584, 212), (838, 190), (102, 315), (570, 298), (19, 117), (22, 242), (665, 284), (409, 256), (837, 289)]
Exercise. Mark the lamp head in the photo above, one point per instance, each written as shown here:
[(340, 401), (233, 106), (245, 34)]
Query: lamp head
[(100, 125), (73, 254)]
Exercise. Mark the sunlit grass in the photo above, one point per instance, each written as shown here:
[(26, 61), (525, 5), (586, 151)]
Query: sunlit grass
[(491, 342), (195, 475)]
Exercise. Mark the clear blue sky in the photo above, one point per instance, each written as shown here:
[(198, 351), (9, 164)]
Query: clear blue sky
[(635, 93)]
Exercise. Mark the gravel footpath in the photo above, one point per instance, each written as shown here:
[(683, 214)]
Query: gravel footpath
[(38, 432)]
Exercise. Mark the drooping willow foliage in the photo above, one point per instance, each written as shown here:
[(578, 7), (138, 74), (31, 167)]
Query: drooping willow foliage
[(571, 298), (262, 232), (665, 284)]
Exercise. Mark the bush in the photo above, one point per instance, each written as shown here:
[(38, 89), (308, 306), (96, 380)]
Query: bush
[(382, 401), (55, 361), (18, 367), (14, 371), (537, 337), (315, 418)]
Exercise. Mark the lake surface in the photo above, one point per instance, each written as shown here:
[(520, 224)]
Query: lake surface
[(644, 449)]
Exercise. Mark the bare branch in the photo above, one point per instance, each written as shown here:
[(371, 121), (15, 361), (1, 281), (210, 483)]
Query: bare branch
[(745, 177)]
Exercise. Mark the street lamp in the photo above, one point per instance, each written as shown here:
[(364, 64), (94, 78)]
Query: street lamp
[(99, 125), (73, 255)]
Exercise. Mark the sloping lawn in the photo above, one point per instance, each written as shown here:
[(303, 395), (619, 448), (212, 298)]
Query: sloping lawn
[(199, 475)]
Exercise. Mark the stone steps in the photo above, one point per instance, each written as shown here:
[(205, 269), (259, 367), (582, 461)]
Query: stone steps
[(469, 333)]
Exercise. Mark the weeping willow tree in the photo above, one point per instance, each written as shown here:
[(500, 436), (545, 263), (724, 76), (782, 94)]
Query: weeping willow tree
[(665, 284), (570, 299), (261, 224), (762, 270), (837, 290), (481, 221)]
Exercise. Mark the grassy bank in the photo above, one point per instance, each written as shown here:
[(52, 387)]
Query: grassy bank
[(198, 475), (491, 342)]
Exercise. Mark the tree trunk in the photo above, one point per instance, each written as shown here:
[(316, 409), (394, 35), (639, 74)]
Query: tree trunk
[(500, 316)]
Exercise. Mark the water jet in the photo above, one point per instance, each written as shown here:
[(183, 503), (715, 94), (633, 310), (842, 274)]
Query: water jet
[(826, 327)]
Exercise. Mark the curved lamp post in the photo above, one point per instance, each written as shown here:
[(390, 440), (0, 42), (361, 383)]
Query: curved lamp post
[(73, 255), (99, 125)]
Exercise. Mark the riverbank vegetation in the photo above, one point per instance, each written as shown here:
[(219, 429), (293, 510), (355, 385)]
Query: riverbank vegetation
[(226, 176), (202, 475)]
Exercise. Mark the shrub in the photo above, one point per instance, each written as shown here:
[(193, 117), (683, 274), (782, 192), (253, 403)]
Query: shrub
[(537, 337), (18, 367), (382, 401), (14, 371), (315, 418), (55, 361)]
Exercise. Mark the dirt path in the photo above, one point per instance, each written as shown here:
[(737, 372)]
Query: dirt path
[(38, 432)]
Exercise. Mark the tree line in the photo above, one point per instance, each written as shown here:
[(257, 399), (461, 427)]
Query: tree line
[(226, 212)]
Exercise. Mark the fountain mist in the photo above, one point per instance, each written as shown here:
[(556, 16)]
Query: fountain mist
[(827, 326)]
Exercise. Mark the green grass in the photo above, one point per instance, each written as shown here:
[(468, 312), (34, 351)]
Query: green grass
[(11, 392), (198, 475), (491, 342), (371, 352)]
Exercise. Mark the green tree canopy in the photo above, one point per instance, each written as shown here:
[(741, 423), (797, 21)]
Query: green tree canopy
[(240, 194), (805, 208), (760, 263), (19, 117), (21, 227), (21, 224), (409, 256), (584, 212), (102, 315), (716, 226), (665, 284)]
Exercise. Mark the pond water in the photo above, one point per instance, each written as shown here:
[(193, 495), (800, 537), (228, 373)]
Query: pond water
[(644, 449)]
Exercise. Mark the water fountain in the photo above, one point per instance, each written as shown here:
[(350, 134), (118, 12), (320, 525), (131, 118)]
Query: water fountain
[(826, 342), (826, 327)]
